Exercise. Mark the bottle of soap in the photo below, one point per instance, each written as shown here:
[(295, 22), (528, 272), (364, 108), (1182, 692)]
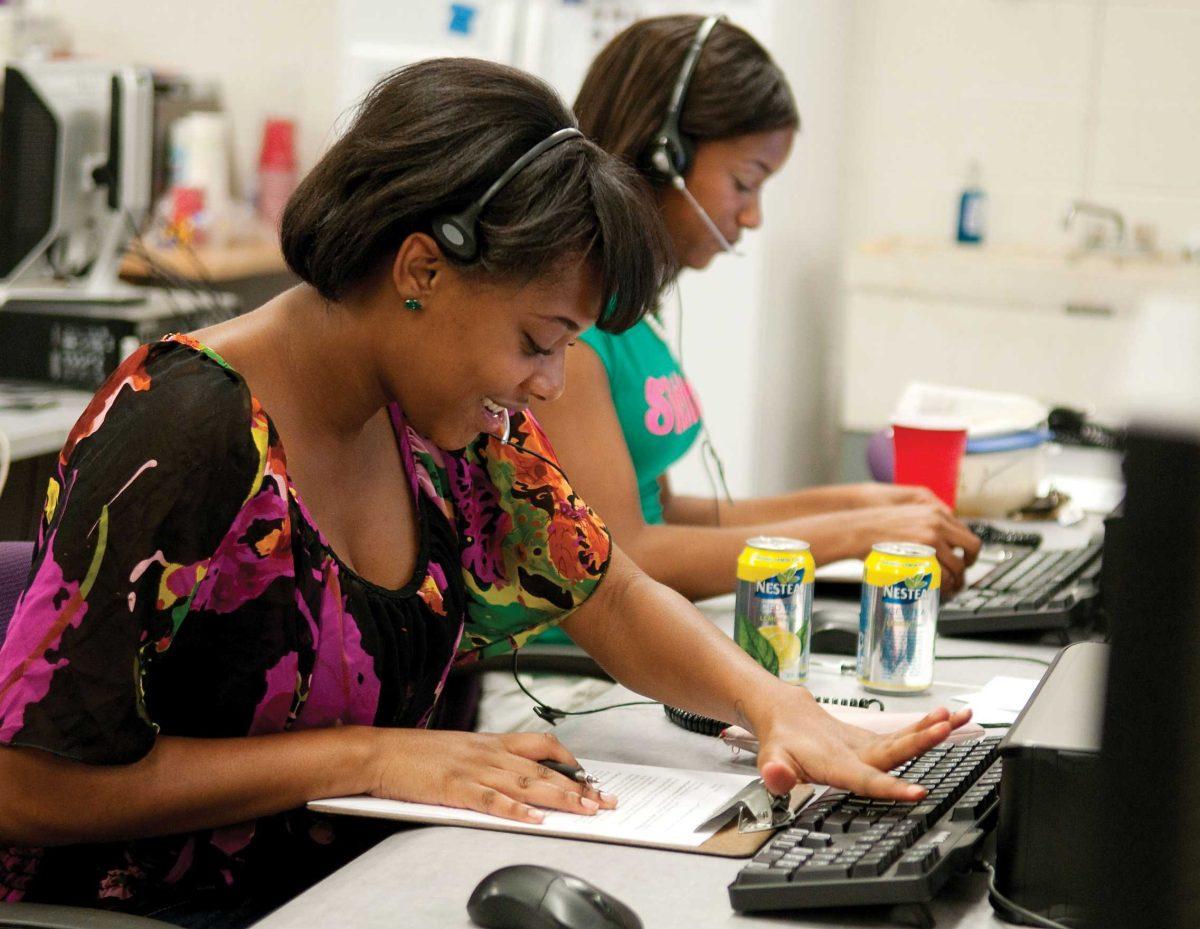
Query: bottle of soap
[(972, 207)]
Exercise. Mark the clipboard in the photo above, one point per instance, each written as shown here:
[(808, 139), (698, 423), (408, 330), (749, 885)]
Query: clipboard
[(745, 804), (731, 842)]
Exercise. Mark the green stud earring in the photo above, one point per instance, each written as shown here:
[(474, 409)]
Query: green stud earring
[(412, 303)]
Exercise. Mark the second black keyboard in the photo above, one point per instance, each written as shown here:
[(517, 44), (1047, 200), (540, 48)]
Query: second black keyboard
[(846, 850), (1032, 588)]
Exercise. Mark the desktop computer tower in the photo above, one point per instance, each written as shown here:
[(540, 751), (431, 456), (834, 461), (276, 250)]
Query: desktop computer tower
[(1048, 792), (73, 343)]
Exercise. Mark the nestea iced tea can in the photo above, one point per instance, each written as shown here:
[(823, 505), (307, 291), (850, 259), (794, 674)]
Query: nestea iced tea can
[(773, 614), (897, 622)]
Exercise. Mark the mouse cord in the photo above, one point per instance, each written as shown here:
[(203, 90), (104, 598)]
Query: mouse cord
[(1041, 661), (552, 714), (850, 667)]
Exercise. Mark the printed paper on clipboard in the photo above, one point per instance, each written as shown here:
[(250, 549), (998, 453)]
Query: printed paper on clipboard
[(658, 807)]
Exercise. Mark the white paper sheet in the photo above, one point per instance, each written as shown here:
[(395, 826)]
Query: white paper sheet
[(850, 571), (660, 807), (1001, 699)]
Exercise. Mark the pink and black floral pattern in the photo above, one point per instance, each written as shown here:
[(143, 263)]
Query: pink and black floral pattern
[(180, 587)]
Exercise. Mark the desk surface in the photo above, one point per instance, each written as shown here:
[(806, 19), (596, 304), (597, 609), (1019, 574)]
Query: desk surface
[(36, 420), (421, 877)]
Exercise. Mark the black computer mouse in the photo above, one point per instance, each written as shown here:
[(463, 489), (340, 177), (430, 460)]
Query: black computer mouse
[(835, 632), (529, 896)]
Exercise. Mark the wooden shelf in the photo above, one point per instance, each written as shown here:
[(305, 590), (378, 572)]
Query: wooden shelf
[(224, 263)]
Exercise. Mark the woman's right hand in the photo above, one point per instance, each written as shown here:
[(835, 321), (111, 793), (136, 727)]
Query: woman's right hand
[(929, 524), (496, 774)]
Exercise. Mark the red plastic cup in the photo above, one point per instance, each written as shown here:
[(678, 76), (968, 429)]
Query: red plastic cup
[(928, 451), (278, 145), (276, 169)]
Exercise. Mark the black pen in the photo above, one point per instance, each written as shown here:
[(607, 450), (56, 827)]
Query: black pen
[(573, 771)]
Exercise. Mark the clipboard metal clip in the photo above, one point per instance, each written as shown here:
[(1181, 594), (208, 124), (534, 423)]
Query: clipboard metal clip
[(759, 810)]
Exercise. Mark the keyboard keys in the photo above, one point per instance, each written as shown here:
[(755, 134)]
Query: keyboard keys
[(820, 872), (923, 814), (755, 873), (838, 821), (869, 866), (917, 861), (812, 821), (862, 822)]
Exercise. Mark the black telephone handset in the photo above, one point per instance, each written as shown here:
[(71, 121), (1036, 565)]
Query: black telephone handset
[(1071, 427)]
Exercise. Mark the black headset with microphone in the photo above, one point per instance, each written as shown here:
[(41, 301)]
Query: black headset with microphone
[(458, 233), (669, 155)]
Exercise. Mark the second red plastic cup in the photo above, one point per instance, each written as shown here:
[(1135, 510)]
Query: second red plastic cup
[(928, 452)]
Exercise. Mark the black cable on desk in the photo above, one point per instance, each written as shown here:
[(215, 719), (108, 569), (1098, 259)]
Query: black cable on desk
[(1041, 661), (553, 714), (1028, 915)]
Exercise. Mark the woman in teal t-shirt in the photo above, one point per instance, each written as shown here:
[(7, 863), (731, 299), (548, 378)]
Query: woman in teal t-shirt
[(658, 413), (655, 405), (628, 412)]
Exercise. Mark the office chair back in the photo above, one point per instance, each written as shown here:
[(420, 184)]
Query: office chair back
[(15, 559)]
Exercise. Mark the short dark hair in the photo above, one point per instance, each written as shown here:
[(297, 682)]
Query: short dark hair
[(737, 88), (430, 138)]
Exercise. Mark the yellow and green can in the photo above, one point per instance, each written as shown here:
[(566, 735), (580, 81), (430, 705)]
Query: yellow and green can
[(773, 613)]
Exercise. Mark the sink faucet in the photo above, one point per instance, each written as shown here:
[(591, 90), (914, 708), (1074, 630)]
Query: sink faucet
[(1097, 239)]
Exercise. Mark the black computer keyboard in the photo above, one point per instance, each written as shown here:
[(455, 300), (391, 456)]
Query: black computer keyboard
[(846, 850), (1032, 588)]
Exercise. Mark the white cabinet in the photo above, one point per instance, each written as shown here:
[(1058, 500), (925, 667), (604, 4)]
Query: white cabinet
[(1050, 326)]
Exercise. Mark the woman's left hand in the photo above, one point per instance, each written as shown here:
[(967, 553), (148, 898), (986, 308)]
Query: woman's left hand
[(801, 742)]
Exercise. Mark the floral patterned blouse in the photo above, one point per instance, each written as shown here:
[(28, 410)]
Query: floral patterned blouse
[(179, 586)]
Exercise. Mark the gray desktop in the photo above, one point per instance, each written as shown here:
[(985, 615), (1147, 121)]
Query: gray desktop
[(75, 188)]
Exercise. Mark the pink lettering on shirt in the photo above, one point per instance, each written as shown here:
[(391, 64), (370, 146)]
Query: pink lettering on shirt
[(670, 405)]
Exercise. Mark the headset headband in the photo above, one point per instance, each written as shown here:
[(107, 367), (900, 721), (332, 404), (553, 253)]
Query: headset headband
[(456, 233), (668, 153), (675, 109)]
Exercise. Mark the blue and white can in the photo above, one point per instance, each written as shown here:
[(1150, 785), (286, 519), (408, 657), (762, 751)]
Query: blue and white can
[(897, 622)]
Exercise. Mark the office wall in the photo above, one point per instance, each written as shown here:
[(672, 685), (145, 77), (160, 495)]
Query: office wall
[(1057, 99), (802, 233), (757, 326), (268, 57)]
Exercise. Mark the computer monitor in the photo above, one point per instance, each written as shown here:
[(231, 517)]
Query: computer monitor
[(75, 173), (1147, 865)]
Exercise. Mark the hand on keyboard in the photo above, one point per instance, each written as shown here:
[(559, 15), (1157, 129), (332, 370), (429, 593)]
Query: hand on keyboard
[(925, 523), (804, 743)]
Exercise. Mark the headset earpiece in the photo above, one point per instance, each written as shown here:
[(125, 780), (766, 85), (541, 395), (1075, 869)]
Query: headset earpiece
[(458, 233), (669, 154), (455, 234)]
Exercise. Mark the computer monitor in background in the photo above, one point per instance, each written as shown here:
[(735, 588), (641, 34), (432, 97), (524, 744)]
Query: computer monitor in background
[(75, 173), (1148, 847)]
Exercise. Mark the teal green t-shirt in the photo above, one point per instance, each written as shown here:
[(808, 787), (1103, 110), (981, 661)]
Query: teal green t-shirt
[(656, 406)]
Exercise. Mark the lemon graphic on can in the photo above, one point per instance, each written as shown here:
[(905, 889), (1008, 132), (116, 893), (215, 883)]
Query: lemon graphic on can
[(786, 645), (773, 605)]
